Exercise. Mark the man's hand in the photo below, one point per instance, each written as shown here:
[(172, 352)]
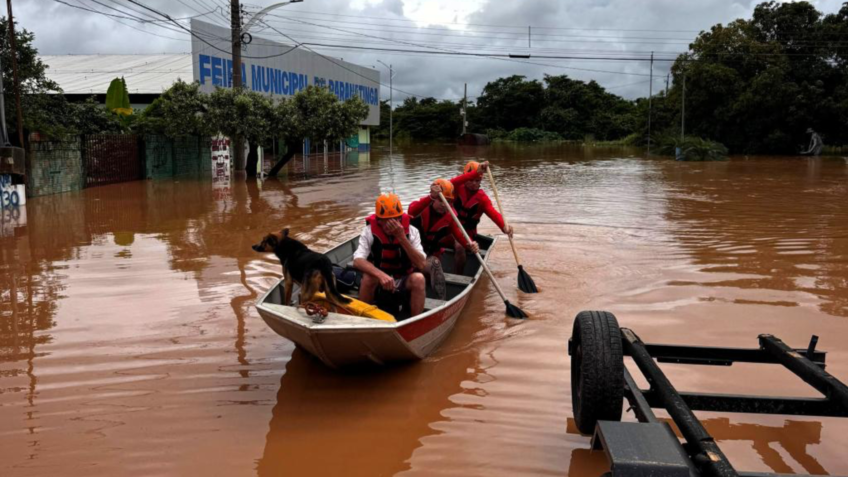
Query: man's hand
[(484, 166), (386, 281), (394, 228), (435, 189), (474, 247), (508, 230)]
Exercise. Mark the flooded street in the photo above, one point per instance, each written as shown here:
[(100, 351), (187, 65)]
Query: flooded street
[(129, 344)]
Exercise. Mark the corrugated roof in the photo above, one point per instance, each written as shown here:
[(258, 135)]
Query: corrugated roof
[(91, 74)]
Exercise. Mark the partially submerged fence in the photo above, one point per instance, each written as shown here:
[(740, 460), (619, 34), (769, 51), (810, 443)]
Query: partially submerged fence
[(75, 163), (110, 158)]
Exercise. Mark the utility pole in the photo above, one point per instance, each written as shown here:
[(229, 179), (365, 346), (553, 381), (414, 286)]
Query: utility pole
[(235, 27), (529, 36), (391, 109), (683, 107), (666, 84), (650, 98), (464, 109), (14, 48)]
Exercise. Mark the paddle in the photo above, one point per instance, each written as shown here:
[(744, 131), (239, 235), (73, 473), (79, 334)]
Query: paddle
[(525, 283), (511, 310)]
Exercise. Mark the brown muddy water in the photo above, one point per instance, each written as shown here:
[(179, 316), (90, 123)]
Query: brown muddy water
[(129, 344)]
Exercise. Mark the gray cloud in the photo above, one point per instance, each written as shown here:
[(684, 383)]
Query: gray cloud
[(60, 29)]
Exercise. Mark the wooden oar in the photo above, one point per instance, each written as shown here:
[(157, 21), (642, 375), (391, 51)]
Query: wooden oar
[(511, 310), (525, 283)]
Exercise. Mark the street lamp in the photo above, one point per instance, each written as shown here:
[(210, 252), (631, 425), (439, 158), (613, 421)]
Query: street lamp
[(261, 13), (391, 108)]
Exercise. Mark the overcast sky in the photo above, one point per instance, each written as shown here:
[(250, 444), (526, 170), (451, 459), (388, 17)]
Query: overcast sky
[(621, 28)]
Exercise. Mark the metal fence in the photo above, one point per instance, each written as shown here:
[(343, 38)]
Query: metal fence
[(111, 158)]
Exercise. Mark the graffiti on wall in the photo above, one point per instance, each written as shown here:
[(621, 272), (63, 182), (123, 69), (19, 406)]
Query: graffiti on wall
[(221, 167), (12, 210)]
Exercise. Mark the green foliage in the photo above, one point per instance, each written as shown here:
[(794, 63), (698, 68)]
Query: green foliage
[(48, 114), (178, 112), (428, 119), (691, 148), (756, 85), (510, 103), (575, 109), (117, 97), (240, 112), (92, 117), (531, 135), (317, 114), (382, 131)]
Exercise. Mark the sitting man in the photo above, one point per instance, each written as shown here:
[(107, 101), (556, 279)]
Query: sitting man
[(389, 253), (438, 230), (471, 203)]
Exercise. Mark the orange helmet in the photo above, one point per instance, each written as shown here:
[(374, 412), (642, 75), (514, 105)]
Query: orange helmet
[(471, 166), (388, 206), (447, 187)]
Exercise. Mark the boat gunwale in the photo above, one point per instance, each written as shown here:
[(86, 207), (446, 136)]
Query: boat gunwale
[(371, 327)]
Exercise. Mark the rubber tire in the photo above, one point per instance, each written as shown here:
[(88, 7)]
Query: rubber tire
[(597, 370)]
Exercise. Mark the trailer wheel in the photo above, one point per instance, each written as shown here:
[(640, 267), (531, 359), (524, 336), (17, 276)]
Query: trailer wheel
[(597, 369)]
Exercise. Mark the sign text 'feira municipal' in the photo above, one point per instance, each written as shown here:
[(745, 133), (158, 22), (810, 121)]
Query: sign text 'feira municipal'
[(275, 69)]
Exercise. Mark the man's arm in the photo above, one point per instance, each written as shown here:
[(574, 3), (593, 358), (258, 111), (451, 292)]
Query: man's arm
[(412, 246), (492, 213), (361, 263), (419, 206), (468, 176)]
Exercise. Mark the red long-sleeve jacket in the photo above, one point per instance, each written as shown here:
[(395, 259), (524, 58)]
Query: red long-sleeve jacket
[(471, 207), (419, 206)]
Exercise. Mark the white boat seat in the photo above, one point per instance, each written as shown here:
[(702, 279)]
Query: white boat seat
[(433, 303), (458, 279)]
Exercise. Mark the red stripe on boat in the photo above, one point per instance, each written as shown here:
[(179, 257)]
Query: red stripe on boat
[(419, 328)]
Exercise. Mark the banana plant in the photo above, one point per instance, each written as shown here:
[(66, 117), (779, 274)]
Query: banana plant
[(117, 98)]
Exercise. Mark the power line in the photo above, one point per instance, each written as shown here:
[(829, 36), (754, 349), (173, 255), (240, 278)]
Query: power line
[(474, 54), (522, 27), (458, 33)]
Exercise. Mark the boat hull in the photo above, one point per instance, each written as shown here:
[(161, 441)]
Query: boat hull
[(343, 340)]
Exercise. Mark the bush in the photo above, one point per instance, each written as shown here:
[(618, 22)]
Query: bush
[(532, 135), (692, 148)]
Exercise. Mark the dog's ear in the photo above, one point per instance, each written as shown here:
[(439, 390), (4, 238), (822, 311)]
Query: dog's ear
[(285, 232)]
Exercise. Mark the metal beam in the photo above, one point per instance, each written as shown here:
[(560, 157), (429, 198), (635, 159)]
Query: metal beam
[(707, 456), (805, 369)]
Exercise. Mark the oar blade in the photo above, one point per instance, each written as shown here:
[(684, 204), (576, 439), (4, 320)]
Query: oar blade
[(513, 311), (525, 283)]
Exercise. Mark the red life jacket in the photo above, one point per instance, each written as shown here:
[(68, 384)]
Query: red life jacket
[(386, 252), (468, 207), (435, 230)]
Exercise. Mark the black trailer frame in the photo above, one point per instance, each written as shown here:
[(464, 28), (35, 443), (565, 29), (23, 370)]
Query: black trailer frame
[(649, 447)]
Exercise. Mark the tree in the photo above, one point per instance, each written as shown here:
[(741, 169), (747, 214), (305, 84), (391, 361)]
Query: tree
[(756, 85), (51, 115), (509, 103), (575, 109), (428, 119), (317, 114), (180, 111), (238, 112)]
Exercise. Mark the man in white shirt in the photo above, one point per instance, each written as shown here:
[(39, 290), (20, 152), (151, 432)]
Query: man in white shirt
[(389, 254)]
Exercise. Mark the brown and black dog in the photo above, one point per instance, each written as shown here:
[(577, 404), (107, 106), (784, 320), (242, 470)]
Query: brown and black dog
[(311, 270)]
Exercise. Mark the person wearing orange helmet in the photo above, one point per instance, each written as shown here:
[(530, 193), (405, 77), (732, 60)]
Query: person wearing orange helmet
[(389, 254), (438, 230), (471, 202)]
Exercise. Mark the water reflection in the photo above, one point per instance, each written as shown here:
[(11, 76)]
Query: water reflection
[(367, 421), (776, 225), (128, 308)]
